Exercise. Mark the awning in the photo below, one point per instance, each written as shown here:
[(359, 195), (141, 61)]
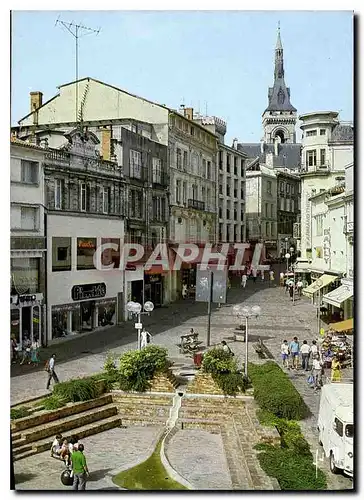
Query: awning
[(342, 326), (325, 280), (339, 295)]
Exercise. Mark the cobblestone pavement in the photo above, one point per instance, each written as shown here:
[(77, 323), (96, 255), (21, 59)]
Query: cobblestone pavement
[(107, 454), (280, 320), (199, 457)]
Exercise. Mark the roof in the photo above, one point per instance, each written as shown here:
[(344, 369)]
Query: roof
[(279, 98), (342, 133), (289, 155), (25, 144)]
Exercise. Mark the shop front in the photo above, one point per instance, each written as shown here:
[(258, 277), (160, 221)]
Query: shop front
[(26, 317), (153, 287), (90, 310)]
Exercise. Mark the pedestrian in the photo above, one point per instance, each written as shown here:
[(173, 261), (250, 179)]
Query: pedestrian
[(271, 276), (294, 348), (262, 274), (314, 349), (299, 287), (244, 280), (335, 370), (184, 290), (79, 468), (14, 349), (254, 273), (145, 338), (35, 352), (26, 350), (226, 348), (305, 354), (50, 369), (285, 353), (291, 290), (316, 371)]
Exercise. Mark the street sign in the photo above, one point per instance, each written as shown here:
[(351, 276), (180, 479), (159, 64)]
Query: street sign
[(219, 285), (138, 326)]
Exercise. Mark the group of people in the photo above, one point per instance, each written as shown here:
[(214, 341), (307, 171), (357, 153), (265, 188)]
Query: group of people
[(291, 286), (25, 353), (292, 353), (251, 271), (72, 453)]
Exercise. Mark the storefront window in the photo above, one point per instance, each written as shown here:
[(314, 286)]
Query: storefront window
[(106, 314), (110, 256), (36, 323), (24, 276), (87, 316), (61, 254), (15, 324), (85, 253), (59, 324)]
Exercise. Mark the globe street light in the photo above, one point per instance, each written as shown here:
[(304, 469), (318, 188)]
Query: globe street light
[(136, 309), (246, 312)]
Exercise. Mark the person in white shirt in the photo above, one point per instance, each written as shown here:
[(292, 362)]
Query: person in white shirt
[(51, 372), (299, 287), (56, 446), (314, 349), (184, 290), (145, 338), (244, 280), (285, 353), (305, 353), (316, 371)]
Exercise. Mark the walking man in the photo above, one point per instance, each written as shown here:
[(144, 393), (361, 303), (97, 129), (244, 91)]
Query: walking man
[(305, 353), (243, 280), (254, 273), (51, 372), (79, 468), (285, 353), (294, 348)]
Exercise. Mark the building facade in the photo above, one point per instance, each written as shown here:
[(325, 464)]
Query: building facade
[(27, 243), (288, 209)]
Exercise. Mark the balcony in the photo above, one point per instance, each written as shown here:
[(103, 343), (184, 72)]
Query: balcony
[(196, 204), (89, 163)]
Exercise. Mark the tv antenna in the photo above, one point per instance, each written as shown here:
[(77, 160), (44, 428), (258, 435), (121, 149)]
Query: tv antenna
[(77, 31)]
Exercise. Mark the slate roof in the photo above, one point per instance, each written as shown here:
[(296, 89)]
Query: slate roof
[(342, 133), (289, 155), (279, 98)]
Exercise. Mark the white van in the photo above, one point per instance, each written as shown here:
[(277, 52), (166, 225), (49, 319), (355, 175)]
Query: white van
[(335, 426)]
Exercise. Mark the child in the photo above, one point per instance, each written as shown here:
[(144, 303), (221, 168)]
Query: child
[(65, 453), (285, 353), (56, 446)]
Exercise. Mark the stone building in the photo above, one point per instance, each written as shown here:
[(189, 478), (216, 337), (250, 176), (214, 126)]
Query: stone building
[(27, 243), (278, 151)]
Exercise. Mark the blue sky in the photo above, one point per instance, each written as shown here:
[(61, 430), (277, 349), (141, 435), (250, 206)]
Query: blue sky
[(222, 58)]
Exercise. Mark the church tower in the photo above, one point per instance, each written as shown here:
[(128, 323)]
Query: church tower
[(280, 117)]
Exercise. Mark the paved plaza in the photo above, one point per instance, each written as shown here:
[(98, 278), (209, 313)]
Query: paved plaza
[(280, 320)]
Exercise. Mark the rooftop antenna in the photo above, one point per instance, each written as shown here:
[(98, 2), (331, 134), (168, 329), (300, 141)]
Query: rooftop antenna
[(77, 31)]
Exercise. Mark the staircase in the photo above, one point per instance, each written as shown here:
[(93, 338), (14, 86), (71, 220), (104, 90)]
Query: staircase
[(143, 409), (36, 433)]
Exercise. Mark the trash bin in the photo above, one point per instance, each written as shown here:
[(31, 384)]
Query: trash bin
[(197, 359)]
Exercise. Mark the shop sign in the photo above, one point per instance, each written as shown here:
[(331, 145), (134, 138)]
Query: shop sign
[(88, 291), (89, 244), (154, 278), (65, 308)]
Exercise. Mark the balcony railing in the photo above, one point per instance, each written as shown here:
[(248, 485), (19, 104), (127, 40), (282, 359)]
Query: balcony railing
[(65, 158), (196, 204)]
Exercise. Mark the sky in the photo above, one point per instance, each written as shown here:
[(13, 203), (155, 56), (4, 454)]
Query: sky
[(221, 62)]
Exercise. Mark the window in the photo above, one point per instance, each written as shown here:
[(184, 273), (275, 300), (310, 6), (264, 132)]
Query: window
[(228, 213), (235, 165), (319, 225), (29, 172), (282, 202), (292, 189), (269, 187), (157, 170), (322, 131), (228, 163), (227, 232), (220, 189), (235, 214), (105, 194), (192, 131), (281, 187), (209, 170), (227, 190), (220, 212), (85, 197), (311, 158), (61, 254), (349, 430), (136, 205), (208, 198), (178, 192), (158, 207), (299, 189), (135, 159), (267, 228), (292, 205), (311, 133), (203, 194), (185, 160), (204, 171), (287, 188), (58, 191), (242, 193), (179, 159), (220, 159), (339, 427), (29, 218), (271, 211), (24, 275), (184, 192), (110, 256), (322, 156), (241, 215), (194, 192), (266, 210), (85, 253)]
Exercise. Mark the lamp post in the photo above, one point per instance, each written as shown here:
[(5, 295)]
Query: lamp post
[(136, 309), (246, 312), (287, 256)]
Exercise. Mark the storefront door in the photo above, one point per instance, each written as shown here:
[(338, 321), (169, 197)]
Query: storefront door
[(157, 297), (87, 316)]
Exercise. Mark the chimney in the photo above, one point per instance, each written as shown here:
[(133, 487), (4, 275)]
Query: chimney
[(36, 100), (106, 143), (235, 144), (188, 113)]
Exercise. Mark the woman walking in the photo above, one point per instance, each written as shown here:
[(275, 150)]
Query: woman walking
[(35, 353), (335, 370)]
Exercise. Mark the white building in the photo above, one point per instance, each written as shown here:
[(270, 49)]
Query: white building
[(327, 148), (27, 289)]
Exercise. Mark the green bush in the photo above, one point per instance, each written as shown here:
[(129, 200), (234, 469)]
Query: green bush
[(293, 471), (53, 403), (20, 412), (81, 389), (137, 368), (275, 393), (223, 368), (110, 368), (230, 383)]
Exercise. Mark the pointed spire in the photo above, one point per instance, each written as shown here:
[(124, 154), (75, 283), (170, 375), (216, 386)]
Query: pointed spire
[(279, 41)]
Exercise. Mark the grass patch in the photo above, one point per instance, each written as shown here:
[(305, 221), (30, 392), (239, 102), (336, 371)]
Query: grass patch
[(149, 475), (20, 412), (53, 403)]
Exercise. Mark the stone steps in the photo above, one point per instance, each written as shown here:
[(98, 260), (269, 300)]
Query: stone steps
[(144, 422), (68, 423), (82, 432)]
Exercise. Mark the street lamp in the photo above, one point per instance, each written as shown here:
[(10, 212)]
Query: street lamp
[(136, 309), (246, 312), (287, 256)]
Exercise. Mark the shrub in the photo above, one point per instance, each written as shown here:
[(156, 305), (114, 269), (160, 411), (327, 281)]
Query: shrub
[(110, 368), (19, 412), (293, 471), (81, 389), (223, 369), (137, 368), (53, 403), (275, 393)]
